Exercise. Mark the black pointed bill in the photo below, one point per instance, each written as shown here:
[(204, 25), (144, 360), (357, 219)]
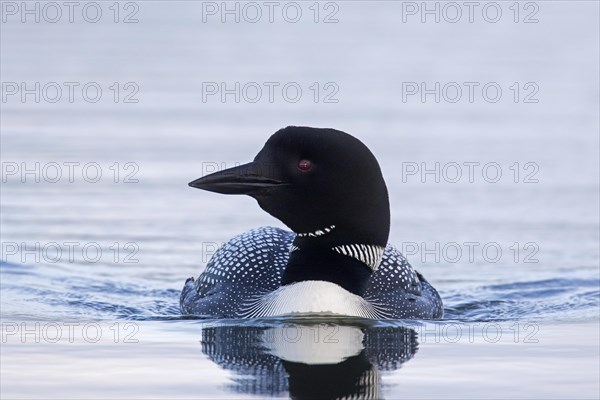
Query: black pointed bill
[(243, 179)]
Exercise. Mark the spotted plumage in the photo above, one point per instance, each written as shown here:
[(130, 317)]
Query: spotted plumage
[(249, 267)]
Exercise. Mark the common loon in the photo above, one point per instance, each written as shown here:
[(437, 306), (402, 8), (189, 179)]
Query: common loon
[(327, 187)]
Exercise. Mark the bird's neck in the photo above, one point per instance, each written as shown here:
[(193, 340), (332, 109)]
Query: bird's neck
[(318, 259)]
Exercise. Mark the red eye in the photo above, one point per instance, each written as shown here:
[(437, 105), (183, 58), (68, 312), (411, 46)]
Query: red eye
[(304, 165)]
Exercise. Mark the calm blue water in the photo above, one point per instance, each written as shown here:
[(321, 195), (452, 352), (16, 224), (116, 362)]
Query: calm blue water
[(92, 266)]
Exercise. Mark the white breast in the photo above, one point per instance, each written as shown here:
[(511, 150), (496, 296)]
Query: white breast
[(310, 297)]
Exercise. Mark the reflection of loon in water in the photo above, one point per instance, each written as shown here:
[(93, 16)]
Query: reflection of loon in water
[(322, 361)]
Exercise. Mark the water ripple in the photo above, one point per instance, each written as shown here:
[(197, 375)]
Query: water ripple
[(51, 293), (549, 299)]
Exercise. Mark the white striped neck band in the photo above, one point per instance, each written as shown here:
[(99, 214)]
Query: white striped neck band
[(368, 254), (318, 232)]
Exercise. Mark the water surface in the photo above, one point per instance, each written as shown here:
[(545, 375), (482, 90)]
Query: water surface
[(520, 323)]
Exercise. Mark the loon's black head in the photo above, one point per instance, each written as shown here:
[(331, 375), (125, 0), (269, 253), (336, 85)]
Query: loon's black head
[(327, 187), (314, 179)]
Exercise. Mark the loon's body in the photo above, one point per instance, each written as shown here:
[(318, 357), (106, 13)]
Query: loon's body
[(242, 280), (336, 260)]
